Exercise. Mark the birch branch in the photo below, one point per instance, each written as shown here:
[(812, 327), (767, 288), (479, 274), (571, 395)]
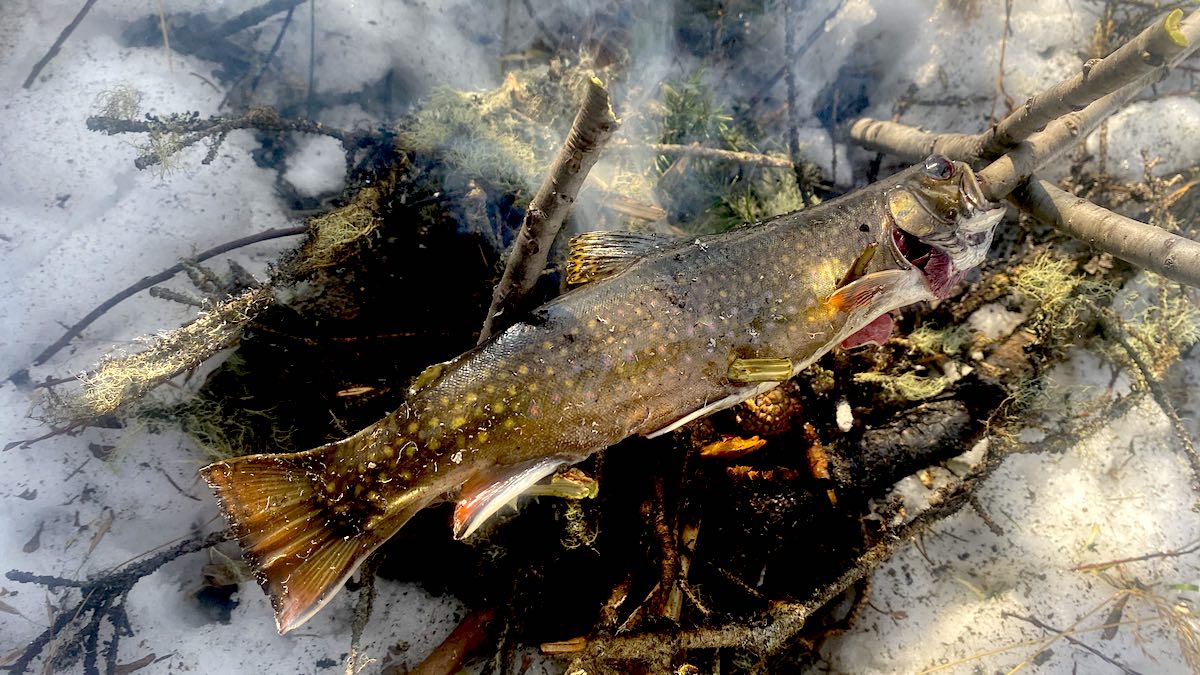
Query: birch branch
[(593, 126)]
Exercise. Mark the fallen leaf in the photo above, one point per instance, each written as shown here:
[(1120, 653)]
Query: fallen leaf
[(732, 447), (9, 609), (35, 542), (105, 522), (123, 668)]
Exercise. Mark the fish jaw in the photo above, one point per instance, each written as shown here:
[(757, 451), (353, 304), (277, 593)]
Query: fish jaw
[(940, 221)]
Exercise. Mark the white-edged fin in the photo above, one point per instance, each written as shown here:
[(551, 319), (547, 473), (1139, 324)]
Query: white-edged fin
[(484, 495), (727, 402), (601, 254)]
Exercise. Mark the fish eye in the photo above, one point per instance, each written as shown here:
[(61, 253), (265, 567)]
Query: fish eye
[(939, 167), (952, 213)]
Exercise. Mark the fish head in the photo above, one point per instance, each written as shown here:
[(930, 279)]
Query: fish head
[(940, 221)]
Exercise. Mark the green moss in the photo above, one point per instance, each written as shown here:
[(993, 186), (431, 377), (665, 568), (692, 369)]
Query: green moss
[(908, 386), (949, 340), (1061, 299)]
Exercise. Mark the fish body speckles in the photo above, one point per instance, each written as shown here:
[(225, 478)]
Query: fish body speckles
[(659, 332)]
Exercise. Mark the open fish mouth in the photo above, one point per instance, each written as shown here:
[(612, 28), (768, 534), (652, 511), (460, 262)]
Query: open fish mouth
[(935, 265), (954, 239)]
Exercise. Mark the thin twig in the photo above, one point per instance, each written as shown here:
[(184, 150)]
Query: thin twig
[(1089, 567), (1116, 329), (592, 127), (147, 282), (1078, 643), (793, 113), (103, 595), (362, 614), (62, 38), (695, 150)]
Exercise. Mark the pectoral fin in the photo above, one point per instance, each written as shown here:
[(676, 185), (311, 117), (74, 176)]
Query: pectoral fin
[(861, 293), (484, 495), (859, 267), (601, 254)]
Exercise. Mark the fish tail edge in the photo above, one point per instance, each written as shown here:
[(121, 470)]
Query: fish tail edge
[(300, 547)]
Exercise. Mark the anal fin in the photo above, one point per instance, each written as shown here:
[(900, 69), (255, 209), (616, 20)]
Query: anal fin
[(484, 495)]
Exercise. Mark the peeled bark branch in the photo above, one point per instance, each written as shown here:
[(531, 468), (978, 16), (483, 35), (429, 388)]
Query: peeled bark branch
[(1101, 87), (1155, 46), (1152, 248), (1157, 250), (593, 126)]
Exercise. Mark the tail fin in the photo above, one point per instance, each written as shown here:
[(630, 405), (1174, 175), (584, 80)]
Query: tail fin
[(300, 530)]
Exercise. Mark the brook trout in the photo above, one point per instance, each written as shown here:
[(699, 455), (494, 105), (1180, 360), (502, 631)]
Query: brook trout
[(661, 331)]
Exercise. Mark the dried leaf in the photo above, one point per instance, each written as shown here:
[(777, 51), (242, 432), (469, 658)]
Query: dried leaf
[(124, 668), (105, 522), (35, 542), (732, 447)]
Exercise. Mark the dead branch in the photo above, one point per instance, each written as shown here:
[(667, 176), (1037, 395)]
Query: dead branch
[(1078, 643), (594, 124), (696, 150), (147, 282), (62, 38), (1100, 566), (1117, 329), (447, 658), (1152, 248), (187, 130), (362, 614), (1159, 44), (101, 598), (783, 621)]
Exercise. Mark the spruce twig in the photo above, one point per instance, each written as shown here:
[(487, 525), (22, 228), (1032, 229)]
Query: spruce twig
[(101, 598), (147, 282)]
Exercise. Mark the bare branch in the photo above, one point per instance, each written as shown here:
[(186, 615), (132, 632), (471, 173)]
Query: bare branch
[(1146, 246), (1142, 61), (593, 125), (1157, 45), (147, 282)]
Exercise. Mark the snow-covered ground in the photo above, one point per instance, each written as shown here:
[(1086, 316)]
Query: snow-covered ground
[(78, 222)]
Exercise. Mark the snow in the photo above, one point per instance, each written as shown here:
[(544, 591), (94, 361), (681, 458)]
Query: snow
[(78, 222), (1151, 130)]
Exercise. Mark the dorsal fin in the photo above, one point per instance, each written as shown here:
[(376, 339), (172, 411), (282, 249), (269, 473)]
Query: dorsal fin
[(601, 254)]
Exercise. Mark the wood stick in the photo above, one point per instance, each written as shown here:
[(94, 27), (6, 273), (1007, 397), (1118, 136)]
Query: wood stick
[(1141, 61), (1155, 46), (1146, 246), (593, 125)]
